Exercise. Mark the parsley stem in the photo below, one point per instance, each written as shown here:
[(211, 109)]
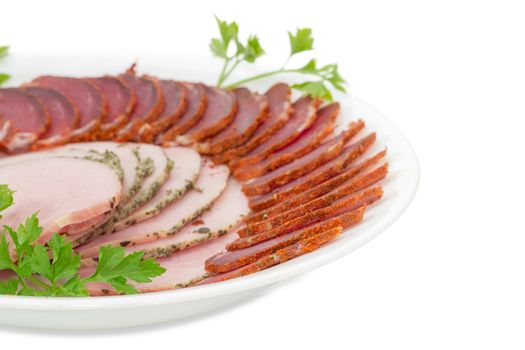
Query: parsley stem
[(39, 283), (269, 74), (223, 71)]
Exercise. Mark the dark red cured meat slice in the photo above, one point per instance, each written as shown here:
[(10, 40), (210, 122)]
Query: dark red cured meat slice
[(324, 173), (321, 155), (231, 260), (121, 101), (309, 139), (303, 115), (23, 119), (64, 116), (86, 97), (251, 110), (279, 110), (196, 101), (220, 110), (150, 104)]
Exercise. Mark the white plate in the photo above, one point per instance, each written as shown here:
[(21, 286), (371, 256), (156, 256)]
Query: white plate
[(135, 310)]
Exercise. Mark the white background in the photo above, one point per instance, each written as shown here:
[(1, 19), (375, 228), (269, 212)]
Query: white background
[(451, 74)]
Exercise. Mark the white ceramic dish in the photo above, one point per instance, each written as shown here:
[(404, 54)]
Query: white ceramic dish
[(129, 311)]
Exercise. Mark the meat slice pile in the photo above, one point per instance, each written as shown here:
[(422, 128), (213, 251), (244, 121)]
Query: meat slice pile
[(159, 154)]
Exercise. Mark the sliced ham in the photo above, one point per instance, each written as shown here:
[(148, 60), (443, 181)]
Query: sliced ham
[(250, 113), (196, 101), (211, 182), (303, 116), (121, 101), (306, 142), (226, 213), (23, 119), (220, 110), (186, 168), (62, 194), (85, 96)]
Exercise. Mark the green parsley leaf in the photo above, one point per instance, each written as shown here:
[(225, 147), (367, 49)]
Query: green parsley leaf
[(9, 286), (301, 41), (6, 197), (254, 49), (315, 89), (218, 48), (4, 51)]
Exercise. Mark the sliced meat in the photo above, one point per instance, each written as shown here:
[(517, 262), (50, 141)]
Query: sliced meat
[(61, 193), (186, 168), (23, 119), (211, 182), (226, 213), (303, 116), (307, 141), (150, 105), (86, 97), (196, 101), (231, 260), (321, 155), (220, 110), (250, 113), (329, 170), (121, 101)]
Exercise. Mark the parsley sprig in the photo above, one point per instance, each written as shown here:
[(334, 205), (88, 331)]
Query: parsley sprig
[(4, 50), (53, 269), (325, 77)]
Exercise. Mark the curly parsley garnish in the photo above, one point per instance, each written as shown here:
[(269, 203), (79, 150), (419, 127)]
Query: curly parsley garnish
[(4, 50)]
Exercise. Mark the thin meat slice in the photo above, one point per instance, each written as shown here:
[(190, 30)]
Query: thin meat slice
[(231, 260), (309, 139), (23, 119), (121, 101), (303, 116), (186, 168), (279, 110), (196, 101), (220, 110), (62, 194), (250, 113), (321, 155), (329, 170), (86, 97), (280, 256), (226, 213), (211, 182)]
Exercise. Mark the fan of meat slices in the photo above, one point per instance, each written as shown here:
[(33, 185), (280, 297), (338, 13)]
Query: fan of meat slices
[(213, 183)]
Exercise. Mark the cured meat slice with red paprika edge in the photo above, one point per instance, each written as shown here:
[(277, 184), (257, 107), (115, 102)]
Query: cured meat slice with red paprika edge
[(23, 119), (302, 117), (280, 256), (150, 105), (121, 101), (196, 101), (64, 117), (321, 155), (251, 110), (220, 110), (231, 260), (309, 139), (329, 170), (279, 110), (86, 97)]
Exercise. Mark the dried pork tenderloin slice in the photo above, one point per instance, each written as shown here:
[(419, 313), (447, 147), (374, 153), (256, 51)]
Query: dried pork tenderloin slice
[(226, 214), (64, 117), (279, 110), (182, 269), (23, 119), (231, 260), (321, 155), (324, 173), (63, 190), (150, 105), (186, 168), (302, 117), (86, 97), (210, 184), (220, 110), (306, 142), (121, 101), (251, 110), (196, 101)]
